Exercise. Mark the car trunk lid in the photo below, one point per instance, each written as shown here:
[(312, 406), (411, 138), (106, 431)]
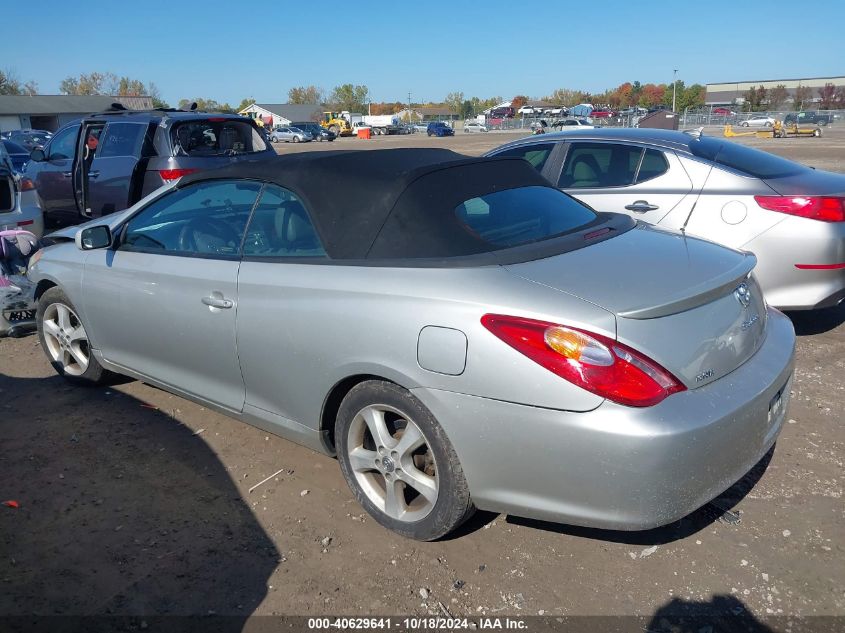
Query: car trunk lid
[(688, 304), (8, 191)]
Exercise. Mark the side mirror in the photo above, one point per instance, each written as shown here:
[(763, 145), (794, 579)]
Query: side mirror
[(93, 237), (38, 155)]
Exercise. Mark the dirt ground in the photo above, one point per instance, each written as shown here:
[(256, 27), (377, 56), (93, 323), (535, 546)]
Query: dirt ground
[(135, 501)]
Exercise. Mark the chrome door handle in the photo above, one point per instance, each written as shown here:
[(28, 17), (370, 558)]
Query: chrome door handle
[(217, 302), (67, 174), (641, 206), (93, 174)]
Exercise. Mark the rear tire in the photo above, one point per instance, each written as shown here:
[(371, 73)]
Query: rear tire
[(64, 340), (415, 487)]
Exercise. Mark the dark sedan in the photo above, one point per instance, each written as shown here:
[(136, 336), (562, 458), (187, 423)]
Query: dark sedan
[(18, 153)]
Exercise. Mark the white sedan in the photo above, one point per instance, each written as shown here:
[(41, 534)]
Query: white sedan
[(759, 121), (474, 126)]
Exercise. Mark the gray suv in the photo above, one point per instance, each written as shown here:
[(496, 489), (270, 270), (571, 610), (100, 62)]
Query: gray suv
[(108, 161)]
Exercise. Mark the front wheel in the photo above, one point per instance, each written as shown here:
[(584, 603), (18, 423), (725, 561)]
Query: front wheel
[(744, 124), (399, 463), (64, 339)]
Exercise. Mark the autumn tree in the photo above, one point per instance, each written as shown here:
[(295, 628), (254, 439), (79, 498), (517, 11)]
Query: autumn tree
[(10, 84), (518, 101), (306, 95), (827, 93), (245, 103), (802, 95), (755, 99), (777, 96), (349, 97)]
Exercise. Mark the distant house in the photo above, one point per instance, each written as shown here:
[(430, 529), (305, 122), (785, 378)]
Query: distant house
[(50, 112), (426, 113), (273, 114)]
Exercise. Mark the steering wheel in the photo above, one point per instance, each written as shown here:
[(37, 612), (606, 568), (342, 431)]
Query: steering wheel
[(209, 226)]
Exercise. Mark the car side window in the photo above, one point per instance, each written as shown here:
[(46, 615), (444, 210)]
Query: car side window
[(281, 227), (599, 165), (537, 155), (654, 164), (121, 139), (63, 144), (204, 219)]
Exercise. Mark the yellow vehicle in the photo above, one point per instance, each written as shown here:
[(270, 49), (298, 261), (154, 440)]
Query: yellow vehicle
[(334, 122), (778, 130)]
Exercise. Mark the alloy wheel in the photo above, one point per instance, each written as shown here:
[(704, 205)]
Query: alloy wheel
[(393, 463), (67, 342)]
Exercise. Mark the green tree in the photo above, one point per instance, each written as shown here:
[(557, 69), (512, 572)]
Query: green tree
[(349, 97), (245, 103), (454, 101), (10, 84), (206, 105), (306, 95), (94, 83)]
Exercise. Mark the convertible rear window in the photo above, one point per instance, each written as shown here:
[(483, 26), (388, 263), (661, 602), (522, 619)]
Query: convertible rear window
[(749, 161), (216, 137), (523, 215)]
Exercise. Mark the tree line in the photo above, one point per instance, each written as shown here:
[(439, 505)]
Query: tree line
[(761, 99)]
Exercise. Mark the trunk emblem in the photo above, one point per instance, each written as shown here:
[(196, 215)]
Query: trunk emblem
[(743, 295)]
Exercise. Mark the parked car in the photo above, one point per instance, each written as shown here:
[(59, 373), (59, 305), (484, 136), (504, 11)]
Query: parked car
[(439, 128), (759, 120), (484, 314), (791, 216), (108, 161), (558, 111), (420, 127), (317, 131), (721, 112), (289, 134), (474, 126), (17, 291), (30, 139), (527, 110), (19, 209), (572, 123), (505, 112), (18, 153), (602, 114), (810, 118)]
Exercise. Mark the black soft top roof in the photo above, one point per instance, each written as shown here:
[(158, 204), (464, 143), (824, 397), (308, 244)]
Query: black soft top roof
[(387, 204)]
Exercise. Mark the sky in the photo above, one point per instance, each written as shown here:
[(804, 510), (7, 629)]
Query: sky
[(228, 51)]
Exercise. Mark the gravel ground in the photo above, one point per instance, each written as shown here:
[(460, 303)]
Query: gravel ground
[(135, 501)]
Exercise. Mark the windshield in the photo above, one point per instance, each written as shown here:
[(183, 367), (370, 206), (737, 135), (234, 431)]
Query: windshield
[(216, 137), (749, 161), (523, 215)]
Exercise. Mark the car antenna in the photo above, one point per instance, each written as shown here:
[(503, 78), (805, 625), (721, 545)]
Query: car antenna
[(700, 191)]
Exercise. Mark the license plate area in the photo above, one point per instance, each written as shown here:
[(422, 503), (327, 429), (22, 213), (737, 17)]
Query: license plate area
[(777, 405)]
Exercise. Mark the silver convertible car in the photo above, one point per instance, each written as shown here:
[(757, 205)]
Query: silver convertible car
[(460, 333), (791, 216)]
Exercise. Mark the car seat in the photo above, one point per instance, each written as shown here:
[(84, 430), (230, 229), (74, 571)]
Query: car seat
[(294, 231), (585, 172)]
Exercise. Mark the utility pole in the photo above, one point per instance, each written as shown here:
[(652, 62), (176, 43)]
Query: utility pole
[(410, 114), (674, 86)]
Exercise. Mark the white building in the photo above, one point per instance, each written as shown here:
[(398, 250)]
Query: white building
[(273, 114)]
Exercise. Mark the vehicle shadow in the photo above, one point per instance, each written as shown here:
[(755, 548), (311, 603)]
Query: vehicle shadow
[(720, 509), (123, 512), (721, 614), (811, 322)]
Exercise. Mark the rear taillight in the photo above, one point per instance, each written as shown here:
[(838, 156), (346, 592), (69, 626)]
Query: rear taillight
[(27, 184), (824, 208), (593, 362), (174, 174)]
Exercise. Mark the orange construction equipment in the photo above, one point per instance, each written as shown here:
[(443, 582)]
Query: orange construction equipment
[(365, 132)]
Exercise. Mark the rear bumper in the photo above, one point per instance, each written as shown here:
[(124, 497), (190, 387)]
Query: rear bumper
[(618, 467), (797, 263)]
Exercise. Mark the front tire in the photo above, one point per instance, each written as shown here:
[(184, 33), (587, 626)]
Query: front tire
[(64, 339), (399, 463)]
